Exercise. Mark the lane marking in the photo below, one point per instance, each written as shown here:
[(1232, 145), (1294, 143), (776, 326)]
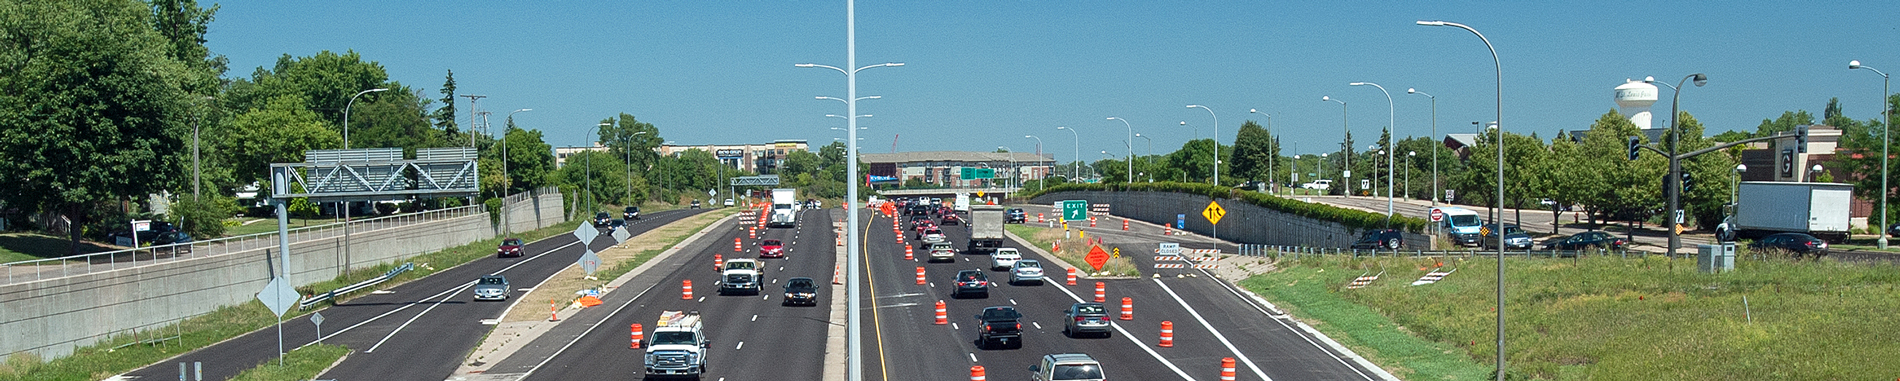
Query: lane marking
[(755, 317), (448, 291), (972, 356), (1038, 325), (741, 346), (877, 321), (1012, 301), (1131, 338), (953, 325), (1210, 328), (1282, 320)]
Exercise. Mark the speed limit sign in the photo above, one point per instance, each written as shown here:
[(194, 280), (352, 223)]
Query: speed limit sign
[(1438, 215)]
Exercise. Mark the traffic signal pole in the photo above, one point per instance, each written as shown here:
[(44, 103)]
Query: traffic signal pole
[(1673, 179)]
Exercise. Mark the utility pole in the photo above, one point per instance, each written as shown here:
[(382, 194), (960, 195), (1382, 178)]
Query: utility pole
[(471, 116)]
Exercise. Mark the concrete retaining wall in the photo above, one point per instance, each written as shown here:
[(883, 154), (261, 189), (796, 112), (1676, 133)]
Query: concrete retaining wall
[(51, 318), (1243, 223)]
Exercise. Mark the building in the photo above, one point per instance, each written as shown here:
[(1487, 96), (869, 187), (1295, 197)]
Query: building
[(744, 157), (945, 168)]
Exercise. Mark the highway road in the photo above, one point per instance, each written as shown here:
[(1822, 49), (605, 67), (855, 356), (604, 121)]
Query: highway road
[(417, 330), (753, 336), (1210, 320)]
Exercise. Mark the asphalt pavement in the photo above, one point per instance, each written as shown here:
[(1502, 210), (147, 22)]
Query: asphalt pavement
[(418, 330)]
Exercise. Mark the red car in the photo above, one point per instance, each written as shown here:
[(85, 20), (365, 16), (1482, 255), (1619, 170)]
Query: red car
[(510, 247), (771, 248)]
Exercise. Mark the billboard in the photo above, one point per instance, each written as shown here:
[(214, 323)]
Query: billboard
[(729, 153)]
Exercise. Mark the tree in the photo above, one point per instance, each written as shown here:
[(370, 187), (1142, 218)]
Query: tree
[(801, 162), (183, 25), (1196, 158), (445, 116), (278, 132), (395, 120), (1859, 156), (326, 81), (92, 109), (1254, 149), (530, 158), (1609, 184), (595, 170)]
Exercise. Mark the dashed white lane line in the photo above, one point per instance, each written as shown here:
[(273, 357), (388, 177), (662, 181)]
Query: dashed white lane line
[(755, 317), (1210, 328), (741, 346), (972, 356), (702, 299), (1012, 301), (1038, 325), (953, 325)]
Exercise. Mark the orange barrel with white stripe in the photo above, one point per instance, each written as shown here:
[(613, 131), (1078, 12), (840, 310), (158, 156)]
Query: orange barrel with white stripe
[(976, 373), (943, 316), (1101, 292), (1128, 308), (686, 289), (920, 275), (1227, 369), (1167, 334)]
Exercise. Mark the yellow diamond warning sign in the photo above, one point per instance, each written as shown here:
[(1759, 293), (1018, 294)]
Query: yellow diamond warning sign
[(1213, 212)]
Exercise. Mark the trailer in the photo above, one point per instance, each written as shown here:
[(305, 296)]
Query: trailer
[(1818, 209)]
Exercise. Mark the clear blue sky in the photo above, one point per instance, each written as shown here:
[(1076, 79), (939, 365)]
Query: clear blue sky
[(982, 74)]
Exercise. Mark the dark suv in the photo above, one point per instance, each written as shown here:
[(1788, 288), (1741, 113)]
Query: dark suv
[(632, 213), (1797, 243), (972, 282), (1380, 239), (1015, 216), (603, 219), (1000, 325)]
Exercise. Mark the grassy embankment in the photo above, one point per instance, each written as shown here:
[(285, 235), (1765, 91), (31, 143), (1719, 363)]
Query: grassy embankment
[(1073, 249), (301, 364), (561, 287), (1605, 317), (105, 359)]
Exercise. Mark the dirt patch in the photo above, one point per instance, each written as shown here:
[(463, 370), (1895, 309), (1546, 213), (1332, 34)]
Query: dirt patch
[(1235, 268), (560, 289)]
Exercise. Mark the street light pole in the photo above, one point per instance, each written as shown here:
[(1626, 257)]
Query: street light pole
[(854, 362), (1498, 64), (1674, 177), (1408, 172), (1435, 141), (1216, 141), (1151, 156), (1346, 173), (1886, 109), (1391, 129), (346, 114), (1075, 170), (1276, 146), (1130, 144)]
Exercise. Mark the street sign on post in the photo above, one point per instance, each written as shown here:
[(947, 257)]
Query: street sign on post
[(589, 262), (967, 173), (1096, 257), (1448, 194), (986, 173), (317, 319), (1075, 210), (1180, 221), (1213, 212), (1438, 215)]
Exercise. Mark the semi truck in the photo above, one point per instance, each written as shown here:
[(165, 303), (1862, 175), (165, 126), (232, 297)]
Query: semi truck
[(1768, 207), (677, 346), (784, 208), (986, 228)]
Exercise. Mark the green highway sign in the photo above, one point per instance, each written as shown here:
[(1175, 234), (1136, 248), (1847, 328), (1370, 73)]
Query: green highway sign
[(971, 173), (1075, 210), (967, 174)]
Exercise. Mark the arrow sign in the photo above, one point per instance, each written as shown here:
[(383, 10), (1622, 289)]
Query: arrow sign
[(1213, 212), (1096, 257)]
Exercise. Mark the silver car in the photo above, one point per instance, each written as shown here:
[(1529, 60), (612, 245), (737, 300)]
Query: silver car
[(1067, 367), (1027, 270), (491, 287), (1086, 318), (1004, 258)]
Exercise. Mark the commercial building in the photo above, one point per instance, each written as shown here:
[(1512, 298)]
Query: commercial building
[(744, 157), (945, 168)]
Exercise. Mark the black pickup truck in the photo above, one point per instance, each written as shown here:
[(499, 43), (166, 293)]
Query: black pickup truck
[(1000, 326)]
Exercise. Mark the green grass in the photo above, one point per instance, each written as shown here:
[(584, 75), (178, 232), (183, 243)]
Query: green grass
[(617, 269), (101, 360), (1606, 318), (1072, 253), (301, 364), (30, 246)]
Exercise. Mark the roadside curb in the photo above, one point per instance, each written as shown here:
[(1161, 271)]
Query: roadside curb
[(835, 345), (1310, 331)]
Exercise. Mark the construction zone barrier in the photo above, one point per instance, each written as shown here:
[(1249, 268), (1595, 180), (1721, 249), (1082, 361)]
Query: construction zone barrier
[(837, 275), (1040, 220), (1167, 229), (686, 289), (943, 315), (719, 262), (920, 275), (1101, 292), (1227, 369), (1167, 334), (636, 337), (976, 373), (553, 314), (1208, 266), (735, 245), (752, 233), (1091, 222), (1071, 276), (1124, 225), (907, 253), (1128, 308)]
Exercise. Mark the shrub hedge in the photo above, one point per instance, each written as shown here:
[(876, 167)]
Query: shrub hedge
[(1349, 217)]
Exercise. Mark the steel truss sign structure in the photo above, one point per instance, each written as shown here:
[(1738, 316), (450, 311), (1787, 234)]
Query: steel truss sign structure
[(767, 180), (377, 174)]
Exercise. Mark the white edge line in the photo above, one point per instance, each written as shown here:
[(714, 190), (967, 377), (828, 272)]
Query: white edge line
[(1311, 333), (413, 304), (412, 319), (1131, 338), (590, 329), (1210, 328)]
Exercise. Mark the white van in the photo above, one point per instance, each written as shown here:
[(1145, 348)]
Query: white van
[(1461, 225)]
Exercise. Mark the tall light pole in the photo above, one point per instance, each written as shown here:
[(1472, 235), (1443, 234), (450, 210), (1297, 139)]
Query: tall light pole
[(1075, 171), (1391, 132), (346, 114), (1435, 141), (1498, 64), (1151, 156), (1275, 154), (1216, 141), (1674, 177), (1408, 172), (1345, 175), (194, 149), (1130, 143), (854, 362), (505, 183), (1885, 126), (1041, 181)]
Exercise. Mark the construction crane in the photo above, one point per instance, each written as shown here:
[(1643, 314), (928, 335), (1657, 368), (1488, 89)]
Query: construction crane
[(894, 142)]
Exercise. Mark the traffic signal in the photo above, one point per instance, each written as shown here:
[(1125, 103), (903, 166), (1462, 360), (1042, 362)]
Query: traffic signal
[(1633, 148), (1688, 182), (1801, 139)]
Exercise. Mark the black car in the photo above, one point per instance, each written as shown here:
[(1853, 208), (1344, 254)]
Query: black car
[(632, 213), (1380, 239), (1586, 240), (1000, 325), (972, 282), (1797, 243), (800, 291), (1514, 237), (603, 219), (1015, 216)]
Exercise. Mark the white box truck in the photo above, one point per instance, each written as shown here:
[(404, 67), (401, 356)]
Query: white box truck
[(962, 204), (1818, 209), (986, 228), (676, 346), (784, 209)]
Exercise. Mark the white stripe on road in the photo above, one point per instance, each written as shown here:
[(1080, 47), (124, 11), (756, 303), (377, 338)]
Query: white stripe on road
[(1280, 319), (1131, 338), (1210, 328), (451, 290)]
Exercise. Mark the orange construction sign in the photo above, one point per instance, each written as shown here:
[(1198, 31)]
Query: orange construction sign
[(1096, 257), (588, 301)]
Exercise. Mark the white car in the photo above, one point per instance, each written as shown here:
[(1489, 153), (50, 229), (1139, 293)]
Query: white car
[(942, 252), (1026, 270), (1004, 258), (1318, 185)]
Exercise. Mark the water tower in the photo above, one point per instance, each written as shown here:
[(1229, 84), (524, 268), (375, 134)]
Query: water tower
[(1634, 99)]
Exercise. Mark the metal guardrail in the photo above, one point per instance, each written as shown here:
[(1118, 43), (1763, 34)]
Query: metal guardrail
[(345, 290), (48, 268)]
